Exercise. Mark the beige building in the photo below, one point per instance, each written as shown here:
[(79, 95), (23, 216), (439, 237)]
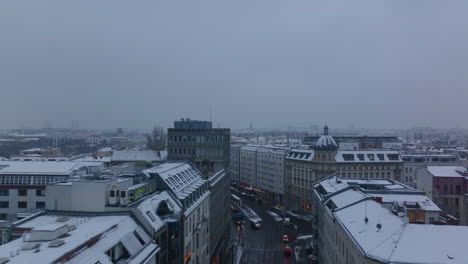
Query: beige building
[(304, 167)]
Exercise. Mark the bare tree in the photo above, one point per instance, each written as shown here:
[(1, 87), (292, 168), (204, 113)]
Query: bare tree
[(157, 139)]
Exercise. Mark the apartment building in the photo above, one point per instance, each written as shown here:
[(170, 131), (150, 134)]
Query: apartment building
[(380, 221), (448, 187), (206, 147), (187, 183), (415, 162), (23, 184), (270, 172), (303, 167)]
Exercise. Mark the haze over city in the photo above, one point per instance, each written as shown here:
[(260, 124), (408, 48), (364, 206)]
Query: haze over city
[(114, 64)]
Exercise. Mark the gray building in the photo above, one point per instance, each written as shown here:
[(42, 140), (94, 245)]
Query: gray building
[(207, 148), (234, 163), (193, 124)]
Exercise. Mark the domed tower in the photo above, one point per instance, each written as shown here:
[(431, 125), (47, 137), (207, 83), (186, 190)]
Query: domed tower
[(326, 142)]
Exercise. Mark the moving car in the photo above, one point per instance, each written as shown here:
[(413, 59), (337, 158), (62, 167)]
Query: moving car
[(285, 238)]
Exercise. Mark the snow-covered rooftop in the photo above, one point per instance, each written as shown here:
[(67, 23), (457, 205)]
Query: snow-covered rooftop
[(300, 154), (346, 198), (181, 177), (40, 167), (135, 155), (446, 171), (102, 232), (368, 156), (150, 205), (423, 201), (397, 242)]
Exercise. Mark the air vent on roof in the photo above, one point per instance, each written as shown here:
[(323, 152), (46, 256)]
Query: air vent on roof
[(30, 246), (56, 243), (62, 219), (71, 227), (3, 260)]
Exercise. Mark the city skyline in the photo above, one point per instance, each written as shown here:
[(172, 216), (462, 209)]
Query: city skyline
[(371, 64)]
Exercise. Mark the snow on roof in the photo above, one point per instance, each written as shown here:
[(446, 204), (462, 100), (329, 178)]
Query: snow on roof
[(378, 244), (325, 141), (93, 159), (181, 177), (446, 171), (397, 242), (423, 201), (346, 198), (149, 207), (40, 167), (105, 149), (368, 156), (332, 184), (108, 229), (273, 150), (300, 154), (431, 244), (139, 155), (249, 148)]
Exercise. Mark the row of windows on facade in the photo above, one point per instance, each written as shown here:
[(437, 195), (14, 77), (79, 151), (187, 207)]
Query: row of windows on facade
[(197, 152), (408, 169), (408, 179), (434, 159), (195, 195), (197, 139), (29, 180), (21, 192), (22, 204), (446, 189)]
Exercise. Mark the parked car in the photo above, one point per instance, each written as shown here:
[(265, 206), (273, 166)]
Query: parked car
[(287, 221)]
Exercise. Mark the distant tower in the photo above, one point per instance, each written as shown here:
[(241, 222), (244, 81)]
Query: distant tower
[(251, 125), (325, 130)]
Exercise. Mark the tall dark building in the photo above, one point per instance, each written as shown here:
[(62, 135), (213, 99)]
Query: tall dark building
[(198, 142), (209, 149), (187, 123)]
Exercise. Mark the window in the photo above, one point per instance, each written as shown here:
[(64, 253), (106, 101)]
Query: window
[(40, 205), (22, 204), (42, 193), (22, 192), (431, 220), (4, 192), (4, 204)]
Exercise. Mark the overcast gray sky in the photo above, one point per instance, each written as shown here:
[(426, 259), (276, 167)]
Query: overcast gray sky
[(107, 64)]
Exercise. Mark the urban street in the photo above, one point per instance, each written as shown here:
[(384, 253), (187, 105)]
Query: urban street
[(266, 245)]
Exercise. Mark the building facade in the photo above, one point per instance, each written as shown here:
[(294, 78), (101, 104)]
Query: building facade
[(415, 162), (447, 186), (380, 221), (187, 184), (303, 167), (270, 172), (23, 184), (207, 148)]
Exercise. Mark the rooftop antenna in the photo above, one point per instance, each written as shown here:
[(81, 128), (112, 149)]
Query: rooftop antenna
[(366, 220)]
